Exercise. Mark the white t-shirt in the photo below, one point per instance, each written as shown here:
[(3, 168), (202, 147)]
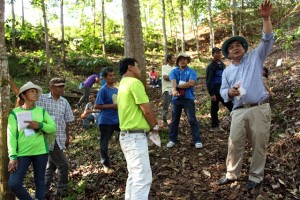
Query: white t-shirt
[(166, 85)]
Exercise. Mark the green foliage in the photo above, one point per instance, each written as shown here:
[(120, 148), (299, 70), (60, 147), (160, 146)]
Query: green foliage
[(287, 37), (28, 37)]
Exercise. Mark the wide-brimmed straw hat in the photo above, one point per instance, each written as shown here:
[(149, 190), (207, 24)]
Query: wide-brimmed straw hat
[(30, 85), (241, 39)]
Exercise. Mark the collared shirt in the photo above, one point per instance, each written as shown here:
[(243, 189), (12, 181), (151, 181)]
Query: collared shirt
[(184, 76), (131, 94), (249, 74), (61, 112), (166, 85)]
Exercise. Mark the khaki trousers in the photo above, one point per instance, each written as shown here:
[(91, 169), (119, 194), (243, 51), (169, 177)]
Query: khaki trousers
[(253, 124)]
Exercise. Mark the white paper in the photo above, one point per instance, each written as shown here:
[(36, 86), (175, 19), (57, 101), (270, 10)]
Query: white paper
[(28, 132), (114, 98), (241, 90), (181, 82), (279, 62), (154, 137), (21, 117)]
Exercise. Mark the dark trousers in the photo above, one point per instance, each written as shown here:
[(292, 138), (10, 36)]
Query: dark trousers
[(57, 161), (214, 109), (106, 132), (188, 106)]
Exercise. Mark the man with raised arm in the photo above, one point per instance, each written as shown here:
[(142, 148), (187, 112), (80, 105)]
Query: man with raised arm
[(251, 116)]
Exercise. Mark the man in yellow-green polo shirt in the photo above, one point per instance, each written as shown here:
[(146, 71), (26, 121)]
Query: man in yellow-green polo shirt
[(136, 119)]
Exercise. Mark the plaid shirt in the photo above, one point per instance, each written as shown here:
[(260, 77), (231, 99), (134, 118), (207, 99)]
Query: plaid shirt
[(61, 112)]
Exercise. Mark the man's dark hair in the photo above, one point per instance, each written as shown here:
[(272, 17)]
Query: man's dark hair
[(169, 57), (123, 65), (106, 70)]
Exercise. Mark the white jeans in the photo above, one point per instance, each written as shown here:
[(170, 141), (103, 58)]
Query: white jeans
[(135, 149)]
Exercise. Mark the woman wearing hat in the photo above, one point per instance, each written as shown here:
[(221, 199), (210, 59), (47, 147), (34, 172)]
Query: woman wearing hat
[(27, 131)]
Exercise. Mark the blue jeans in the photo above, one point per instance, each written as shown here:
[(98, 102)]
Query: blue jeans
[(57, 160), (106, 132), (86, 121), (188, 106), (16, 179)]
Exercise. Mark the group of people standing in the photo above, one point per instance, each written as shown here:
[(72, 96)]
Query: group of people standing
[(127, 109)]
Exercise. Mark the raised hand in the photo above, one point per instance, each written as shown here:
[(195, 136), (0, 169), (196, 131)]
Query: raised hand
[(265, 9)]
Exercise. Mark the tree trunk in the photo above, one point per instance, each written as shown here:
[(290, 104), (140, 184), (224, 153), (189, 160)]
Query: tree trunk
[(182, 27), (211, 25), (46, 40), (13, 27), (241, 19), (173, 19), (164, 29), (233, 16), (94, 24), (133, 34), (62, 30), (103, 28), (23, 19), (4, 111)]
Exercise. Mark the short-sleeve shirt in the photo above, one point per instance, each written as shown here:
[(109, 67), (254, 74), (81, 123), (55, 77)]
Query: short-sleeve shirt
[(107, 116), (130, 95), (61, 112), (89, 82), (184, 75)]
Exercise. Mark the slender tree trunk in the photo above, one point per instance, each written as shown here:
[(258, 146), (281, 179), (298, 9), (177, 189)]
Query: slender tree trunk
[(173, 19), (164, 29), (103, 28), (94, 24), (211, 25), (62, 30), (133, 34), (241, 19), (4, 111), (46, 40), (23, 19), (196, 39), (182, 27), (233, 16), (13, 27)]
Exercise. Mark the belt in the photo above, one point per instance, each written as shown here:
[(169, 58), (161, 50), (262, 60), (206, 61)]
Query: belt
[(134, 131), (253, 104)]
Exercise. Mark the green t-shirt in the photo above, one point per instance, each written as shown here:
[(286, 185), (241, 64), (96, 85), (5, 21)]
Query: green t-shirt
[(131, 93), (23, 143)]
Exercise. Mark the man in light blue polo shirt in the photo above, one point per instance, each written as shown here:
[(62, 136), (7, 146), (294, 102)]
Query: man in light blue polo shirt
[(251, 116), (183, 80)]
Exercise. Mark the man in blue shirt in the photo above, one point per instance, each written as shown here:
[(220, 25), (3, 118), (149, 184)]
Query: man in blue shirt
[(183, 80), (251, 116), (108, 118), (214, 73)]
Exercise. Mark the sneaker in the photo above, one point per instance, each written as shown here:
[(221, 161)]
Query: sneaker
[(157, 86), (199, 145), (251, 185), (171, 144), (216, 129), (108, 170)]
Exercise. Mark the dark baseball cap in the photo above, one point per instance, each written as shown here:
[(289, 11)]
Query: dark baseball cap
[(215, 49)]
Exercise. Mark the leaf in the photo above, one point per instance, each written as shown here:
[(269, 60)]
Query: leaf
[(206, 173)]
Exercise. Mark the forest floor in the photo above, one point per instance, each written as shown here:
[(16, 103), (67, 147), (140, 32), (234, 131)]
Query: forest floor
[(186, 173)]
